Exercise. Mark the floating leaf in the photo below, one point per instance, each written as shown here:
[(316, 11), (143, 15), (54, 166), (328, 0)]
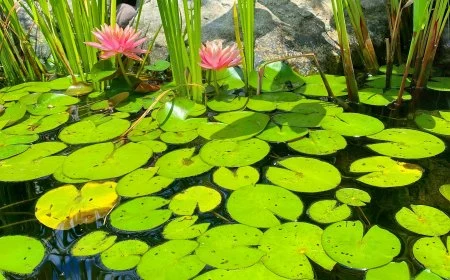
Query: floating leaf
[(315, 87), (385, 172), (256, 271), (184, 228), (231, 153), (51, 103), (181, 163), (431, 253), (86, 132), (407, 143), (423, 219), (278, 76), (427, 275), (311, 106), (61, 177), (288, 248), (79, 89), (203, 198), (391, 271), (227, 102), (282, 133), (310, 119), (379, 97), (11, 145), (93, 243), (103, 161), (156, 146), (124, 255), (103, 70), (20, 254), (304, 175), (396, 69), (142, 182), (353, 197), (36, 162), (269, 101), (158, 66), (328, 211), (230, 246), (173, 116), (319, 142), (140, 214), (439, 83), (230, 78), (260, 205), (434, 124), (12, 114), (38, 124), (178, 138), (146, 130), (379, 81), (346, 243), (233, 180), (445, 191), (66, 207), (170, 260), (352, 124)]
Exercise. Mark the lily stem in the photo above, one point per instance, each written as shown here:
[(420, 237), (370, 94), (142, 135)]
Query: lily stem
[(122, 68), (216, 84)]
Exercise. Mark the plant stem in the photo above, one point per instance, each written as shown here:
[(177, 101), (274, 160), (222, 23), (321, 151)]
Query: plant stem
[(122, 68), (216, 84)]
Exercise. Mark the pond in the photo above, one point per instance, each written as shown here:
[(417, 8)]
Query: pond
[(282, 185)]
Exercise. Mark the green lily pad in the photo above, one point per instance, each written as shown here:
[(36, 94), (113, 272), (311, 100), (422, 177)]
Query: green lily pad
[(234, 125), (66, 207), (20, 254), (385, 172), (288, 247), (427, 275), (302, 174), (396, 69), (203, 198), (230, 246), (79, 89), (432, 253), (173, 116), (184, 228), (11, 145), (131, 105), (158, 66), (328, 211), (227, 102), (102, 70), (230, 78), (256, 271), (346, 243), (445, 191), (38, 124), (86, 132), (269, 101), (439, 84), (51, 103), (278, 76), (391, 271), (170, 260), (60, 83), (281, 133), (315, 87), (61, 177), (178, 138), (181, 163), (423, 219), (377, 97), (379, 81), (156, 146), (238, 178), (93, 243), (124, 255), (353, 197), (231, 153), (142, 182), (30, 99), (260, 205), (311, 119), (352, 124), (103, 161), (146, 130), (12, 114), (434, 124), (36, 162), (140, 214), (319, 142), (406, 143), (311, 106)]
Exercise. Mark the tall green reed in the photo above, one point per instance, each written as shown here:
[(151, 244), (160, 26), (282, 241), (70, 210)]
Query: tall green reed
[(246, 9)]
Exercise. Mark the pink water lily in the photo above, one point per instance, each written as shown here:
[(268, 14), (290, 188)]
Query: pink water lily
[(113, 40), (215, 57)]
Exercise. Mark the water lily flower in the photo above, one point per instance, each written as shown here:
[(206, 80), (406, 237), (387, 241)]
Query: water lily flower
[(114, 40), (215, 57)]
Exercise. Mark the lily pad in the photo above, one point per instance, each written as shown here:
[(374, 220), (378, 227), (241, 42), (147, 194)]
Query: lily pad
[(432, 253), (230, 78), (20, 254), (124, 255), (328, 211), (269, 101), (174, 115), (203, 198), (378, 97), (178, 138), (86, 132), (11, 145), (278, 76), (423, 219), (445, 191), (181, 163), (184, 228), (51, 103), (170, 260), (61, 177), (434, 124), (156, 146), (353, 197), (311, 106), (281, 133), (238, 178), (142, 182), (79, 89), (158, 66), (103, 161), (439, 84), (36, 162), (231, 153), (38, 124), (407, 143), (311, 119), (315, 87), (427, 275), (352, 124), (319, 142), (303, 174), (346, 243), (391, 271), (289, 246), (12, 114), (146, 130), (230, 246), (379, 81), (227, 102), (385, 172), (140, 214), (66, 207), (93, 243), (260, 205), (256, 271)]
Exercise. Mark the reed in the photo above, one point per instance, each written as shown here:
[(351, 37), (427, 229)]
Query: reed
[(246, 11)]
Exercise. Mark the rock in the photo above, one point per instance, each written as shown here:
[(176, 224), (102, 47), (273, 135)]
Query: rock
[(125, 13)]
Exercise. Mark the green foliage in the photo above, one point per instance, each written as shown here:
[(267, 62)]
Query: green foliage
[(20, 254)]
